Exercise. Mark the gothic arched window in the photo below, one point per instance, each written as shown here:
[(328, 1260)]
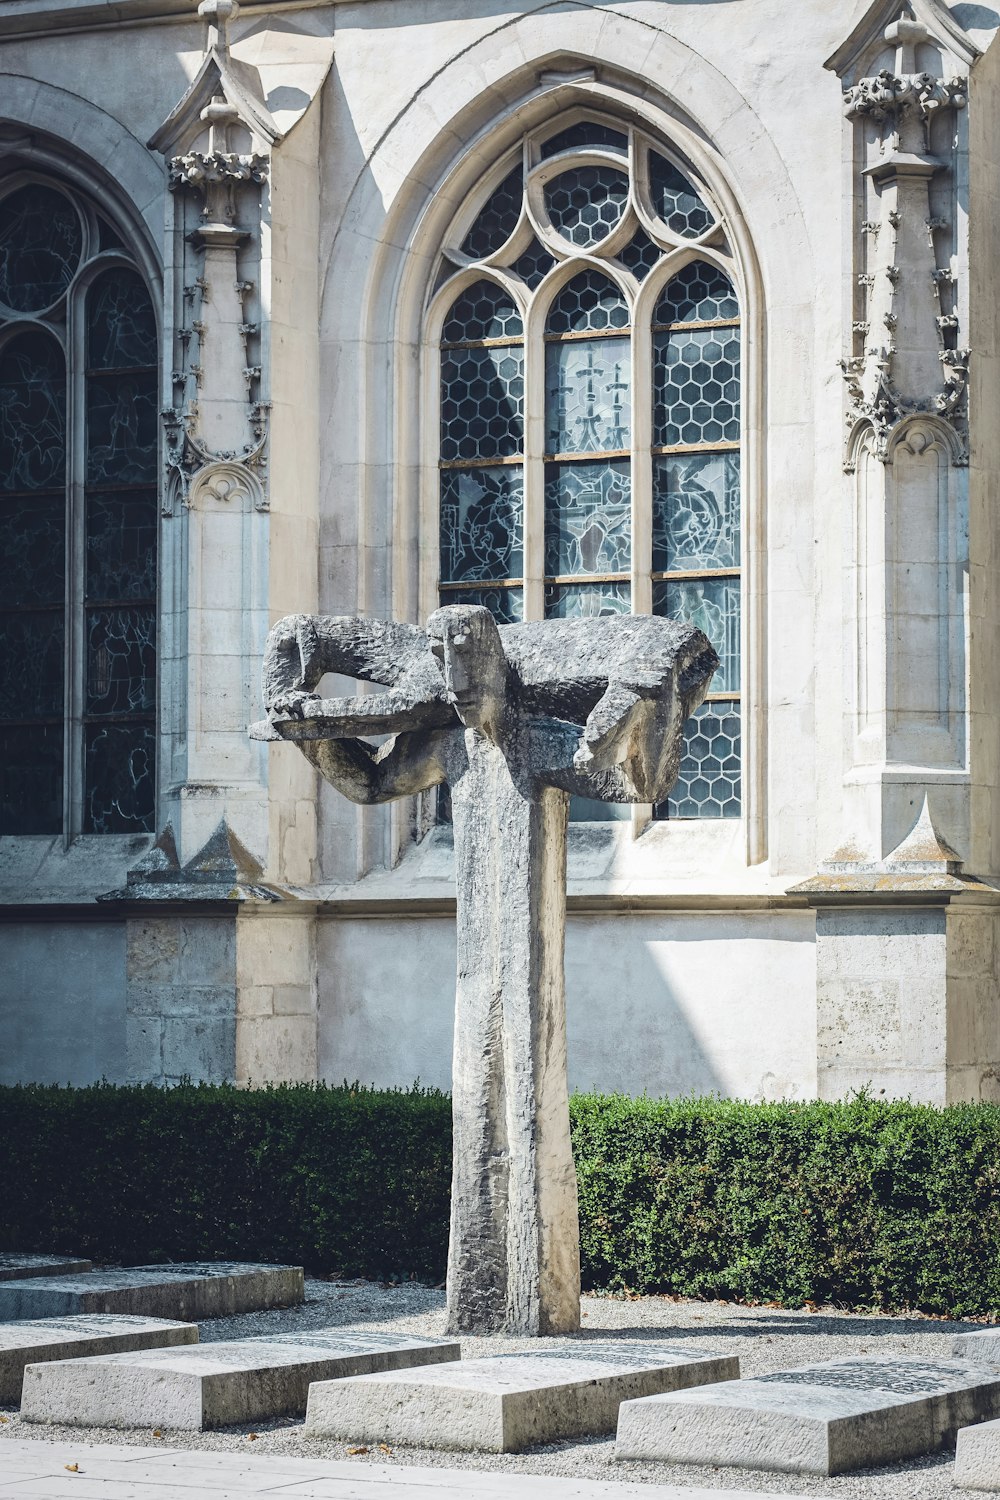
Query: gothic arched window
[(78, 520), (590, 409)]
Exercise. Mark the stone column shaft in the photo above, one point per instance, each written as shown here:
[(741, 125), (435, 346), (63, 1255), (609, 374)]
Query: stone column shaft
[(514, 1251)]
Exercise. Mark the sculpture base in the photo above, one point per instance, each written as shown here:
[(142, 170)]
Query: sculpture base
[(514, 1260)]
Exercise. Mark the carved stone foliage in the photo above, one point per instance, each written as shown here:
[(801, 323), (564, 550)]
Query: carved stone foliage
[(219, 178), (907, 357)]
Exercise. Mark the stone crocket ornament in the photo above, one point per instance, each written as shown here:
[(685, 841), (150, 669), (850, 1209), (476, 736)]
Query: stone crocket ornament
[(515, 719)]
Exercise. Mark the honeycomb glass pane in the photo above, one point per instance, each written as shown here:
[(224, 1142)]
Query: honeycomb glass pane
[(588, 518), (482, 513), (585, 133), (708, 785), (482, 402), (713, 604), (498, 220), (699, 294), (483, 311), (675, 200), (696, 386), (40, 245), (590, 303), (640, 254), (586, 601), (588, 402), (696, 511), (533, 264), (586, 203), (505, 605)]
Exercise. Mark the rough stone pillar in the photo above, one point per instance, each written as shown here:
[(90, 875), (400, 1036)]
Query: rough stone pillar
[(514, 1260)]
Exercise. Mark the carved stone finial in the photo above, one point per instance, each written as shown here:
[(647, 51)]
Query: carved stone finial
[(217, 14)]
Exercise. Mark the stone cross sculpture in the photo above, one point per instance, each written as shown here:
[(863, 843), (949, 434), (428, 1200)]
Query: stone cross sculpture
[(514, 718)]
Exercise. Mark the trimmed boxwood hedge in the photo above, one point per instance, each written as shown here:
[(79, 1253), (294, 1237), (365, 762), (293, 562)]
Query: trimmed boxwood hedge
[(864, 1204)]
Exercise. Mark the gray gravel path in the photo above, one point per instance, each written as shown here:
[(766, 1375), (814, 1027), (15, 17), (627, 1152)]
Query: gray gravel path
[(765, 1339)]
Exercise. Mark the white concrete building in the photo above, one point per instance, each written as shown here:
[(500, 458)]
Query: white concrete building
[(664, 305)]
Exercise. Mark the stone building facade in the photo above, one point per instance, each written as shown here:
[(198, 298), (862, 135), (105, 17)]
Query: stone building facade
[(680, 306)]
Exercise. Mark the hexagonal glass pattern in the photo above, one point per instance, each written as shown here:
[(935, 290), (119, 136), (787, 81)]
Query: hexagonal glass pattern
[(675, 200), (590, 303), (588, 402), (586, 601), (498, 220), (699, 294), (588, 518), (640, 255), (696, 386), (588, 411), (533, 264), (505, 605), (708, 785), (585, 204), (482, 516), (713, 604), (696, 511), (583, 134), (482, 402), (483, 311), (41, 241)]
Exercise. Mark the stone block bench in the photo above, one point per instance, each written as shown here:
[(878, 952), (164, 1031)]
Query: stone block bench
[(505, 1402), (214, 1384), (823, 1419), (43, 1339), (188, 1292)]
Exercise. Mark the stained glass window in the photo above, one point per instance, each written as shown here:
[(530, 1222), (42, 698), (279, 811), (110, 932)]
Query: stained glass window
[(696, 515), (76, 754), (482, 442), (599, 212)]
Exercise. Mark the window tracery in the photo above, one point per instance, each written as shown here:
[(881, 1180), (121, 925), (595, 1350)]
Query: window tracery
[(78, 520), (590, 409)]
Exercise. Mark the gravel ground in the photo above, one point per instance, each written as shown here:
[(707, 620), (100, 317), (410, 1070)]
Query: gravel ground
[(765, 1339)]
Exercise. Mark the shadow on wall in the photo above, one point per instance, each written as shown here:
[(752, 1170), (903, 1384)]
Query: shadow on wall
[(666, 1004), (62, 1002), (693, 1003)]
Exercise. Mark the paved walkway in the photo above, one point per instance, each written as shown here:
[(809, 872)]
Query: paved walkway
[(38, 1470)]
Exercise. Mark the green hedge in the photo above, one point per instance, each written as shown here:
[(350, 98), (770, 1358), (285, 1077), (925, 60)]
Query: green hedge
[(864, 1204)]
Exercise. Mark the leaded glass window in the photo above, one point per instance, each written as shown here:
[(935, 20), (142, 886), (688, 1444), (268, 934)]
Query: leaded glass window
[(78, 520), (590, 409)]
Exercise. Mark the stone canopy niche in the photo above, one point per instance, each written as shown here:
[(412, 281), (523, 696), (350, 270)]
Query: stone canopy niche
[(514, 719)]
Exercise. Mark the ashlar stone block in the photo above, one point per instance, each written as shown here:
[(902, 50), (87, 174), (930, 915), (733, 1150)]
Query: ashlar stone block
[(983, 1347), (17, 1267), (977, 1458), (214, 1385), (823, 1419), (192, 1291), (37, 1341), (506, 1402)]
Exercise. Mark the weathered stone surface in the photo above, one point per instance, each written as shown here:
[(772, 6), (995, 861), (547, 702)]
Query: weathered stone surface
[(34, 1342), (213, 1385), (507, 1402), (191, 1291), (514, 719), (982, 1347), (15, 1267), (977, 1457), (821, 1419)]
